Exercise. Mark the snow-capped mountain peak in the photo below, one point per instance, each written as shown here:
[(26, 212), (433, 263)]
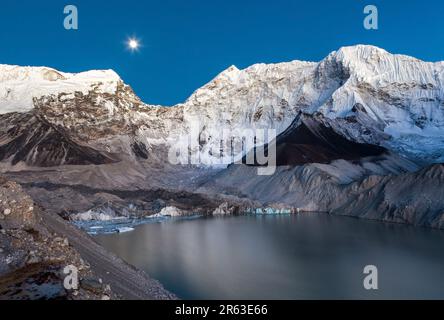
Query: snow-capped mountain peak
[(370, 63), (19, 86), (364, 93)]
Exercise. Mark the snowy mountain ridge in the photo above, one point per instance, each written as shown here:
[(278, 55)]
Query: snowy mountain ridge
[(20, 85), (364, 93)]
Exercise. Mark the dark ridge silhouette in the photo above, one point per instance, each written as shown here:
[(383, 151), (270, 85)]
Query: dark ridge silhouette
[(36, 143), (309, 141)]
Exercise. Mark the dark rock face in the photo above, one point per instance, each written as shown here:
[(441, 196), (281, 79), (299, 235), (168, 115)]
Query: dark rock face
[(29, 139), (140, 150), (307, 140), (312, 142)]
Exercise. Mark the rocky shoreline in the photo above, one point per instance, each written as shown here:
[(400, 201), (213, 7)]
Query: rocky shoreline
[(37, 245)]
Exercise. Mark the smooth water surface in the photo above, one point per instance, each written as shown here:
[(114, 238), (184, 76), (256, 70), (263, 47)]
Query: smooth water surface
[(312, 256)]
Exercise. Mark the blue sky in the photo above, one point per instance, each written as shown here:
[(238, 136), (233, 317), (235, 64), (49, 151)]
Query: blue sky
[(187, 43)]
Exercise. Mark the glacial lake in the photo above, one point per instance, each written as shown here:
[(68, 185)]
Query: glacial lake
[(309, 256)]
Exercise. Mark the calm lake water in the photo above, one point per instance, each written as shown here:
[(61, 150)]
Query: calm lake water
[(311, 256)]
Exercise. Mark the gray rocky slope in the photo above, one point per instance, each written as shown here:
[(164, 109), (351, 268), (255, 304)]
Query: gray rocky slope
[(36, 247)]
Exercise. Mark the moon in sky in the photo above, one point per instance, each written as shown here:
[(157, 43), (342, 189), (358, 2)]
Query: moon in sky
[(133, 44)]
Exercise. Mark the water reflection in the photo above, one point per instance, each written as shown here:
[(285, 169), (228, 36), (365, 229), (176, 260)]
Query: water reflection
[(312, 256)]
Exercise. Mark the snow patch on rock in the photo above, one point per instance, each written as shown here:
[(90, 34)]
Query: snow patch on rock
[(19, 86), (169, 212), (92, 215)]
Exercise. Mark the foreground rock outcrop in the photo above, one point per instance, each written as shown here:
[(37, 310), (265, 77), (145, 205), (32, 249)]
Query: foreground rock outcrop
[(32, 257), (36, 247)]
